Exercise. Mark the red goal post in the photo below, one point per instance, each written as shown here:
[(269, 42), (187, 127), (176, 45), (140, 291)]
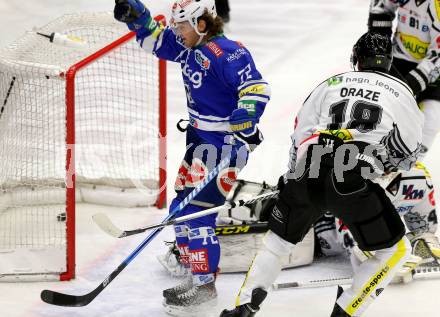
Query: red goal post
[(103, 105)]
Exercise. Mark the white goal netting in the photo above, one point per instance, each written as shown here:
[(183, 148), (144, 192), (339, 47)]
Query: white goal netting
[(112, 109)]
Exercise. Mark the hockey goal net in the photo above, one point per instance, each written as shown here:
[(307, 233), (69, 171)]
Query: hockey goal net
[(77, 123)]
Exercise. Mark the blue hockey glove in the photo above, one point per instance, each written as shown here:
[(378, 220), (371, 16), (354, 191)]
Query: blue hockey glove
[(244, 125), (132, 12), (242, 120)]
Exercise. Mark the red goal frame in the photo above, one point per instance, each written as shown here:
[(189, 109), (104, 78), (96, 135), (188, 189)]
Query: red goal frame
[(70, 141)]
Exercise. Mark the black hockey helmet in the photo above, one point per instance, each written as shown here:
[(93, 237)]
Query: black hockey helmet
[(373, 51)]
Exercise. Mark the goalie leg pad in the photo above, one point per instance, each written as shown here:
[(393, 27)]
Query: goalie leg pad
[(366, 211)]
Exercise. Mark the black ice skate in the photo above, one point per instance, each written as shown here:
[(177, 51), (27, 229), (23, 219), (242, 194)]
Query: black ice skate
[(250, 309), (181, 288), (195, 302), (337, 310)]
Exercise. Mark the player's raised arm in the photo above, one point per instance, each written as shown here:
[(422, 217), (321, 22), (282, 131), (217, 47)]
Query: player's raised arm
[(381, 16), (151, 35)]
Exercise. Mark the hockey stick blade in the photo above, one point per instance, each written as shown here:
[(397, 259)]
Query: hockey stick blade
[(106, 225), (59, 299), (66, 300)]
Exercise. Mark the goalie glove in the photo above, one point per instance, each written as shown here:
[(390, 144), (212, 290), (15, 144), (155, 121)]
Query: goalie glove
[(244, 126)]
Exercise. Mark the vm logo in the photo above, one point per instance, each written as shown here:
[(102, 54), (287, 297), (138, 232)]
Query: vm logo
[(411, 193)]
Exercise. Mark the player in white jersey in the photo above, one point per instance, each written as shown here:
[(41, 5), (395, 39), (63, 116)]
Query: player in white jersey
[(416, 52), (349, 129)]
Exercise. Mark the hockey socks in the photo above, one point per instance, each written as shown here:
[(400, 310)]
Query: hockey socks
[(204, 254)]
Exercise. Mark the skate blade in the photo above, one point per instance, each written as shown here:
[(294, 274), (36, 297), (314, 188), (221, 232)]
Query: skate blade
[(201, 310)]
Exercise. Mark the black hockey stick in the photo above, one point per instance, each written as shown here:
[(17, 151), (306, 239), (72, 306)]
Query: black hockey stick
[(104, 222), (230, 230), (11, 85)]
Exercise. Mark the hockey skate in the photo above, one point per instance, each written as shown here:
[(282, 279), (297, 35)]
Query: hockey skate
[(337, 310), (171, 261), (195, 302), (250, 309), (183, 287)]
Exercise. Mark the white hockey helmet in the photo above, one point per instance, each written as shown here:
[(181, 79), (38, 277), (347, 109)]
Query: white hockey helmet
[(191, 10)]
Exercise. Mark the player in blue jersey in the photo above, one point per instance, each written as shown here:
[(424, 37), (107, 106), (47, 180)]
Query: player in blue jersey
[(226, 96)]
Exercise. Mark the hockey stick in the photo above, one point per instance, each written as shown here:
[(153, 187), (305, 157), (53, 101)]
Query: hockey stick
[(11, 85), (420, 273), (60, 299), (107, 226), (314, 283), (247, 228)]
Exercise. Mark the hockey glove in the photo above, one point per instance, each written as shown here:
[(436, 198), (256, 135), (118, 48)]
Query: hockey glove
[(417, 81), (244, 125), (380, 23), (132, 12)]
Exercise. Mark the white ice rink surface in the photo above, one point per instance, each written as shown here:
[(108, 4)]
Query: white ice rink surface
[(296, 45)]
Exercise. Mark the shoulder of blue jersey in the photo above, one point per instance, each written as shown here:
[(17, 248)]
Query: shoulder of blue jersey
[(224, 49)]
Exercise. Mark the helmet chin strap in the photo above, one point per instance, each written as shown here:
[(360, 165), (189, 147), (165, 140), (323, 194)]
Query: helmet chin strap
[(200, 40), (201, 35)]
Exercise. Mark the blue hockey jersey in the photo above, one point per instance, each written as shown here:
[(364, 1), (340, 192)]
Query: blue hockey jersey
[(219, 77)]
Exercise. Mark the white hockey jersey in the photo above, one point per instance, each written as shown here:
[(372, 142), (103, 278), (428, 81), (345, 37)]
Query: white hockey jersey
[(371, 107), (417, 36)]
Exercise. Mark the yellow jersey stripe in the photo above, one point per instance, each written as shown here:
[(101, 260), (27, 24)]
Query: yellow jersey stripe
[(371, 285)]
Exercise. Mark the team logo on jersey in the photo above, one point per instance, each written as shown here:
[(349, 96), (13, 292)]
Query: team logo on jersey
[(414, 46), (412, 194), (202, 60), (334, 81), (196, 78), (197, 173), (226, 180), (236, 55), (215, 49)]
